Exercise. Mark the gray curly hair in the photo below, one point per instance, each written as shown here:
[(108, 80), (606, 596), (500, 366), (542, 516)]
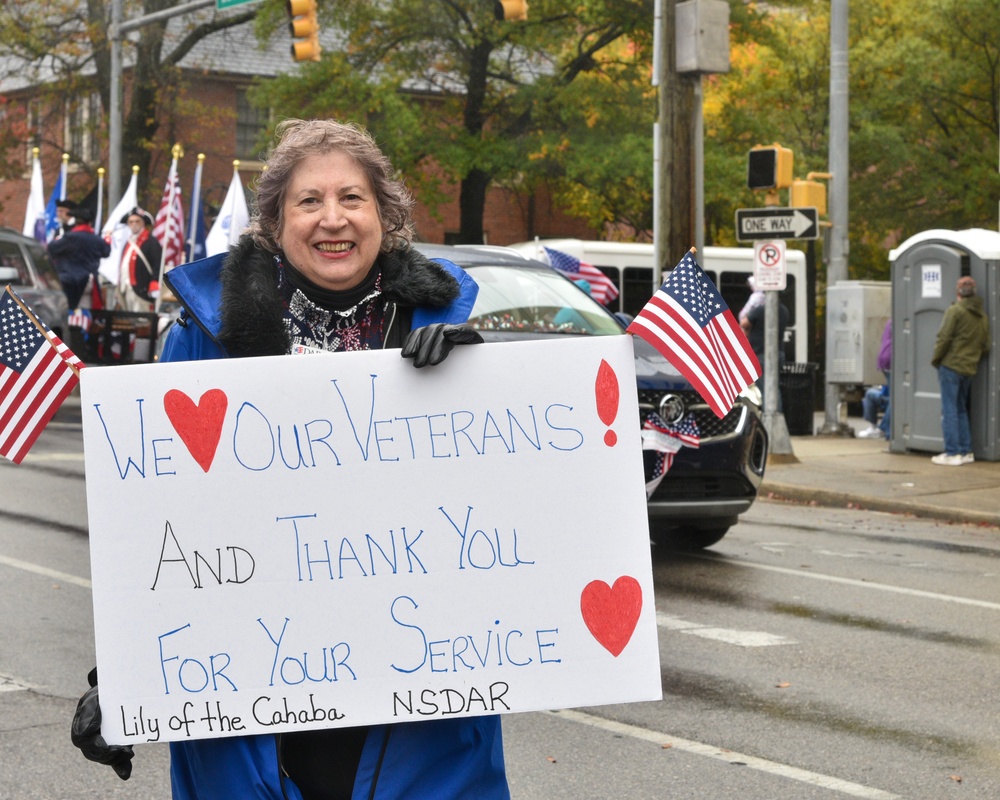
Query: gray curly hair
[(298, 139)]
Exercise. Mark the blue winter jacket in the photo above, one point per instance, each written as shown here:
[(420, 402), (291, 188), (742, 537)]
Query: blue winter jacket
[(444, 759)]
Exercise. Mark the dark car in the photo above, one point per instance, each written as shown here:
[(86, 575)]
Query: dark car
[(25, 265), (706, 488)]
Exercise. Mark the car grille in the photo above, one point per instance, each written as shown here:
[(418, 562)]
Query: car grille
[(710, 427), (685, 488)]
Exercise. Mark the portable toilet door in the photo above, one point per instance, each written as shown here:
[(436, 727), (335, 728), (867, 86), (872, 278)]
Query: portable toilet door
[(924, 272)]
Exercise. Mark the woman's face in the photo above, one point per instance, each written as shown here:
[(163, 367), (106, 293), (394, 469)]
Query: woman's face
[(330, 231)]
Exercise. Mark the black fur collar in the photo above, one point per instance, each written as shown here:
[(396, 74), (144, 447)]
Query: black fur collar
[(251, 308)]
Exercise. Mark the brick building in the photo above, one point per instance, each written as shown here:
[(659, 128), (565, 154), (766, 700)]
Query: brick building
[(210, 114)]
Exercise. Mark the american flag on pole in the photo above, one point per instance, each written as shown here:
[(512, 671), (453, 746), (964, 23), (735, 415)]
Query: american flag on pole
[(602, 287), (690, 324), (168, 227), (37, 373)]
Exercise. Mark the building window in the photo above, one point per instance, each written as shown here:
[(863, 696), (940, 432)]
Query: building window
[(251, 123), (83, 116)]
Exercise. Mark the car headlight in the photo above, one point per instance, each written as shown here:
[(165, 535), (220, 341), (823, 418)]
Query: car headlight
[(753, 394)]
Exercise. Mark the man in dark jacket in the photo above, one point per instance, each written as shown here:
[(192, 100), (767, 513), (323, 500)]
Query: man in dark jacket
[(962, 340), (77, 255)]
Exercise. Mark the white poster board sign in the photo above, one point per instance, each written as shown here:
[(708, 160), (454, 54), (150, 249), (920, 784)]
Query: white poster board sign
[(340, 539)]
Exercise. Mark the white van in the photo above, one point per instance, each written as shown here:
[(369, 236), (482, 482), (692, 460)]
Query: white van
[(630, 266)]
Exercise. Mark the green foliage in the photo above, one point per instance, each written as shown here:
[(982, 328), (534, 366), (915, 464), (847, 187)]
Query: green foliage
[(452, 93), (923, 129)]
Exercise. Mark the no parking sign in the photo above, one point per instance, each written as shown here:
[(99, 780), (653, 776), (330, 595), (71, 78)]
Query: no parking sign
[(769, 265)]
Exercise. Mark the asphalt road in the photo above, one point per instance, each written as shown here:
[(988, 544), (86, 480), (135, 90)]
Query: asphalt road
[(813, 653)]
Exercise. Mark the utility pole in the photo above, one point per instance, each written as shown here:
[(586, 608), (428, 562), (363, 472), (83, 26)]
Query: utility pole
[(673, 188), (836, 268)]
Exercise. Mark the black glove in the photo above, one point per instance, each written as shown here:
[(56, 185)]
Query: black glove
[(86, 734), (431, 344)]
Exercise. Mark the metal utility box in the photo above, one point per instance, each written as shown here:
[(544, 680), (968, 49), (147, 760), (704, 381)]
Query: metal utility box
[(702, 36), (855, 318), (925, 271)]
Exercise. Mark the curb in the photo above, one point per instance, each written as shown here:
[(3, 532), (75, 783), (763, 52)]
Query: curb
[(773, 491)]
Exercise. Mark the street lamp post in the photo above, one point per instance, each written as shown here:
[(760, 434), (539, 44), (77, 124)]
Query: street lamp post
[(117, 33)]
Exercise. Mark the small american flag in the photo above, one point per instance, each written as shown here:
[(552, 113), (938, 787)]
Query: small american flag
[(37, 373), (602, 287), (690, 324), (666, 439), (79, 318), (169, 225)]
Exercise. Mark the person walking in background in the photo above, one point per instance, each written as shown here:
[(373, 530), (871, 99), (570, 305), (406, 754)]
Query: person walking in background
[(64, 217), (962, 340), (755, 299), (877, 397), (77, 255), (753, 325), (139, 270)]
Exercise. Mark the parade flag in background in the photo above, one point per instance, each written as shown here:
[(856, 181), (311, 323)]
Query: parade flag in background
[(169, 225), (690, 324), (37, 373), (34, 213), (51, 220), (602, 287), (196, 229), (232, 220), (116, 232)]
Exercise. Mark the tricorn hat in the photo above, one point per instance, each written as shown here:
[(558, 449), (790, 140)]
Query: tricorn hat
[(138, 212)]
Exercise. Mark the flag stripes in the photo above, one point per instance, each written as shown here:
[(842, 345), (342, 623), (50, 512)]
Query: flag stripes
[(689, 323), (37, 374)]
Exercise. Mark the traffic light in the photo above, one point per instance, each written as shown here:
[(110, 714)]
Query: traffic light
[(808, 194), (516, 10), (305, 30), (769, 167)]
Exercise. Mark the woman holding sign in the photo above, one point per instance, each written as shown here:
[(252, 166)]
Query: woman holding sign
[(325, 266)]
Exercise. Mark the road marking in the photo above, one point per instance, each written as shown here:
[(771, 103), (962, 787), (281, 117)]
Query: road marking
[(882, 587), (727, 635), (9, 684), (729, 756), (53, 457), (38, 569)]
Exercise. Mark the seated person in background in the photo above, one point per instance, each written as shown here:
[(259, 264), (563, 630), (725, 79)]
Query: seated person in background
[(877, 397)]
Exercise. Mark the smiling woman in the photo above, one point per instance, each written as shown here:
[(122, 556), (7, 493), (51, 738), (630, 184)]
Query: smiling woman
[(327, 266)]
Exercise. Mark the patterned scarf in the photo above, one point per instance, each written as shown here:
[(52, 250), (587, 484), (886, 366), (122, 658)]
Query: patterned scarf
[(315, 328)]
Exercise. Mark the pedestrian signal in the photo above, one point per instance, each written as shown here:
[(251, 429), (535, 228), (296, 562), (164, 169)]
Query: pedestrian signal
[(769, 167), (516, 10), (305, 30)]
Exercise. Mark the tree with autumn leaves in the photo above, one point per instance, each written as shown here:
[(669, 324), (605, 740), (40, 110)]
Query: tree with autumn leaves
[(924, 102), (61, 47), (454, 94)]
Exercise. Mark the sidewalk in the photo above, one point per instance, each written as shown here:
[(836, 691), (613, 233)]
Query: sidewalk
[(862, 473)]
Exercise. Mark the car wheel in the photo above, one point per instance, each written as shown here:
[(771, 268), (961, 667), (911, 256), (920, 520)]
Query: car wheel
[(689, 537)]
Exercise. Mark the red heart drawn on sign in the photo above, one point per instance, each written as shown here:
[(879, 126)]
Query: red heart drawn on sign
[(611, 612), (199, 426)]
